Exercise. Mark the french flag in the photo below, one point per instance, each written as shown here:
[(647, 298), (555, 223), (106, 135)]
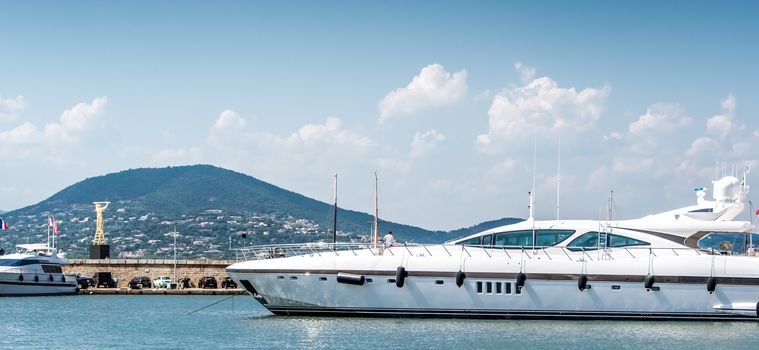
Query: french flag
[(54, 225), (3, 224)]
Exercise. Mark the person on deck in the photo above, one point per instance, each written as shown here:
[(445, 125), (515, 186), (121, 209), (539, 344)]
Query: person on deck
[(389, 240)]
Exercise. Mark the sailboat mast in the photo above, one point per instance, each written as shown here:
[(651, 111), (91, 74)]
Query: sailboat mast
[(334, 215), (558, 182), (376, 211)]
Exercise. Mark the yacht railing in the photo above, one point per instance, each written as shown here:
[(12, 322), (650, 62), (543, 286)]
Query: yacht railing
[(275, 251)]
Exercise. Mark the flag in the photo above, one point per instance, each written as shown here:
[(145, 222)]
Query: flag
[(53, 225), (3, 224), (757, 212)]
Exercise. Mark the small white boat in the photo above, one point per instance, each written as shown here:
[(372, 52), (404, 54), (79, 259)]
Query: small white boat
[(35, 269), (647, 268)]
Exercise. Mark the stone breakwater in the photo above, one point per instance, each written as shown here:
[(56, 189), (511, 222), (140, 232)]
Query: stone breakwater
[(123, 270)]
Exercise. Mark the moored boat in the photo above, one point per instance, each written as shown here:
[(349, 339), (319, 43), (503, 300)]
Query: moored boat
[(35, 269), (647, 268)]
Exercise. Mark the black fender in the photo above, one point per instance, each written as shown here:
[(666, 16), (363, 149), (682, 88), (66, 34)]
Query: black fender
[(400, 276), (582, 282), (460, 277)]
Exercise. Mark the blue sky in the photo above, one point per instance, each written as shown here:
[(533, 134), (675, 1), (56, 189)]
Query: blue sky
[(645, 96)]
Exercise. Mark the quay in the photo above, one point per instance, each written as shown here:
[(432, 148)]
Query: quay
[(161, 291), (123, 270)]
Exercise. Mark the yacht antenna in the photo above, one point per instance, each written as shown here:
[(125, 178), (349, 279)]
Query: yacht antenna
[(376, 211), (334, 215), (716, 170)]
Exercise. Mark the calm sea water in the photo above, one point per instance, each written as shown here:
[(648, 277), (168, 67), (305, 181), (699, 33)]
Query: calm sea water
[(162, 322)]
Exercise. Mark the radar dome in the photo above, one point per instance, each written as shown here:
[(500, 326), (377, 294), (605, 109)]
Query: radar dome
[(728, 189)]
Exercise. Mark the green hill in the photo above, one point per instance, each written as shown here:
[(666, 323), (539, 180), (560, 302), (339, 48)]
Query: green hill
[(211, 207)]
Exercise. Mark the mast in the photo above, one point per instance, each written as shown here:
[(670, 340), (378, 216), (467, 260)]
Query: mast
[(175, 254), (334, 215), (611, 202), (376, 211), (532, 193), (558, 182)]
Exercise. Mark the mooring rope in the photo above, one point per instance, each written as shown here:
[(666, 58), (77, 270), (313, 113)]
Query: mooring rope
[(212, 304)]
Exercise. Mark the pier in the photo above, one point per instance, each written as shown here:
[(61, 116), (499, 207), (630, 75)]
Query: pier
[(161, 291), (123, 270)]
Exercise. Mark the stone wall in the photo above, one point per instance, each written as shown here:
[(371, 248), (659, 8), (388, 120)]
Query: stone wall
[(126, 269)]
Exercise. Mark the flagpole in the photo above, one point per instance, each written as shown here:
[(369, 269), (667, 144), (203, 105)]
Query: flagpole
[(48, 233)]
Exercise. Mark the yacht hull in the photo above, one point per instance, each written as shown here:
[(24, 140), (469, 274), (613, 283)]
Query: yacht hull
[(490, 288), (427, 297), (10, 285)]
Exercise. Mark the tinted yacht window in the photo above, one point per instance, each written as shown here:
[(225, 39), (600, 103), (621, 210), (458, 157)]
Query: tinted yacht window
[(589, 241), (622, 241), (523, 238), (471, 241), (514, 239)]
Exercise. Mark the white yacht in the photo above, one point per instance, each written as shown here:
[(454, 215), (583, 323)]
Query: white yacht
[(647, 268), (35, 269)]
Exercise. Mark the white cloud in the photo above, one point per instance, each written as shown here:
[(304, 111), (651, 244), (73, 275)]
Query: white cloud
[(433, 87), (229, 120), (9, 107), (425, 142), (702, 146), (25, 133), (633, 165), (659, 118), (540, 106), (329, 133), (228, 131), (614, 136), (650, 132), (722, 124), (525, 73), (70, 125), (83, 116), (52, 142)]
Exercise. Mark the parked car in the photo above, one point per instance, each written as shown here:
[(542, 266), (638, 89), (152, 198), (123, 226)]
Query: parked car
[(207, 282), (162, 282), (104, 279), (139, 282), (84, 282), (228, 282)]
